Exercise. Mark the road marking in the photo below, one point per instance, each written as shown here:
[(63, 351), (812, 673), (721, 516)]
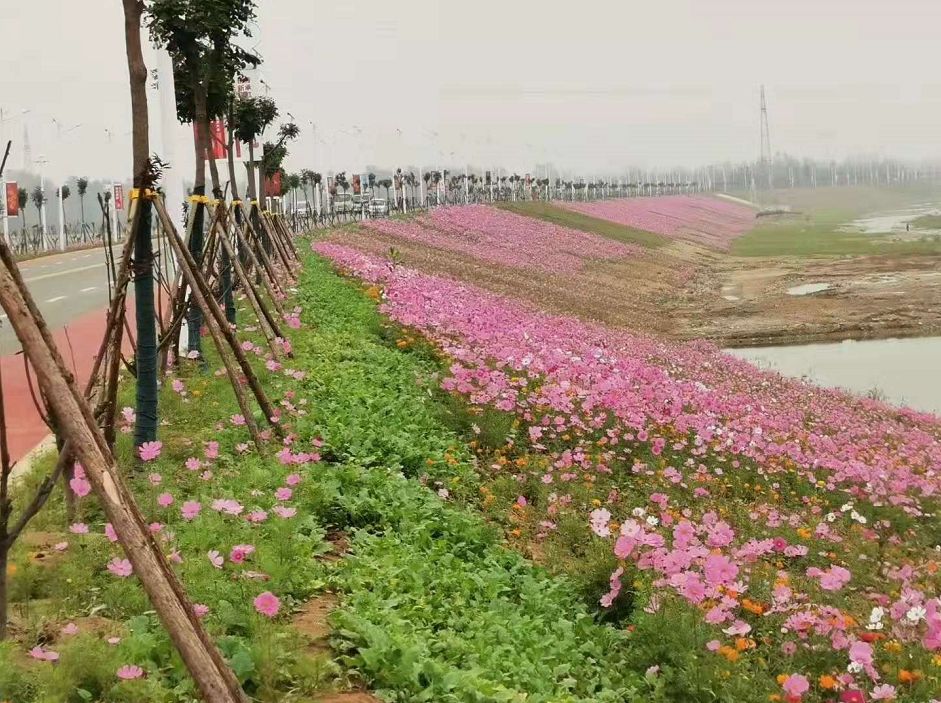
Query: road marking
[(89, 289), (56, 299), (62, 273)]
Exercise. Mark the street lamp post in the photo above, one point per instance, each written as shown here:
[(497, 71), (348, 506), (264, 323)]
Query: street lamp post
[(42, 161)]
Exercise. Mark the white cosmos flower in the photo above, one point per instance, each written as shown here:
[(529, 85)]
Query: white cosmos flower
[(916, 613)]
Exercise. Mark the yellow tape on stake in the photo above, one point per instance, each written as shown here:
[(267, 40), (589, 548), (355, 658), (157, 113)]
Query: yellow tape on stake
[(148, 194)]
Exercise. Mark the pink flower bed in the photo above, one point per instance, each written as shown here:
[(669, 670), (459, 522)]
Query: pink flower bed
[(799, 522), (504, 238), (697, 218)]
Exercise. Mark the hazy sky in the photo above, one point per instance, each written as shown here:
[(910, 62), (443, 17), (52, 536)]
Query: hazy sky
[(593, 86)]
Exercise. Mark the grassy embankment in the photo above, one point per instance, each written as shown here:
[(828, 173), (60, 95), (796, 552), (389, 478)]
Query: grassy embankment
[(816, 231), (432, 606)]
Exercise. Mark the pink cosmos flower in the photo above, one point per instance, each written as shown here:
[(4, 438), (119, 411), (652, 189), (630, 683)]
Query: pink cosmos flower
[(70, 629), (191, 509), (44, 654), (241, 447), (149, 451), (155, 479), (240, 552), (227, 506), (165, 500), (713, 645), (80, 486), (78, 528), (215, 558), (200, 610), (267, 604), (884, 692), (283, 493), (114, 641), (257, 516), (130, 671), (128, 414), (120, 567), (293, 479), (599, 519), (110, 533), (212, 450), (796, 685), (193, 464), (60, 546), (284, 512), (238, 420)]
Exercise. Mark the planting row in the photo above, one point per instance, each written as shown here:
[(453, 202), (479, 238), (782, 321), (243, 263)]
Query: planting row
[(695, 218), (797, 523), (503, 238)]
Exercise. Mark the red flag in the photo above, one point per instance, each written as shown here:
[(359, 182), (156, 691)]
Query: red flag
[(217, 137), (118, 196), (273, 185), (13, 199)]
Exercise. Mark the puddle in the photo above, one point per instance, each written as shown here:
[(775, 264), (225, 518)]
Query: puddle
[(808, 288), (893, 220), (899, 371)]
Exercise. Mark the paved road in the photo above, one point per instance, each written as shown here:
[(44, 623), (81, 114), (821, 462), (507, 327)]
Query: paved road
[(65, 287), (71, 290)]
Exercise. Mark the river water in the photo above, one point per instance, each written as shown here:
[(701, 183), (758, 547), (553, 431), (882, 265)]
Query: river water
[(900, 371)]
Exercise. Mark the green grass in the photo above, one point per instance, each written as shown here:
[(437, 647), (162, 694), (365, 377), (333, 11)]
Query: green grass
[(927, 222), (822, 212), (576, 220)]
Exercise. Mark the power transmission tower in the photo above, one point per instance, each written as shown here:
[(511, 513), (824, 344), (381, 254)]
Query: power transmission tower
[(766, 159)]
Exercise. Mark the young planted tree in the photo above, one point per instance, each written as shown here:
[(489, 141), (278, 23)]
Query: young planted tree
[(81, 185), (23, 199), (198, 35)]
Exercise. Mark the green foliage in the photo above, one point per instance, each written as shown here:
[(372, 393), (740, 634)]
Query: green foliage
[(38, 197), (252, 115), (198, 35)]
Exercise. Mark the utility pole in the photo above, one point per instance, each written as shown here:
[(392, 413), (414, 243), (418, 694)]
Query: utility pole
[(42, 187), (766, 158)]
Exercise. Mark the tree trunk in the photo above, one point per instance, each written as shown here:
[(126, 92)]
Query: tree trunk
[(194, 316), (145, 429)]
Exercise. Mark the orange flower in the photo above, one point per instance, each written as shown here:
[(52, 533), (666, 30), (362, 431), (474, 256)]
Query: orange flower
[(827, 682), (729, 653), (741, 644), (909, 677), (804, 533), (893, 646), (516, 532), (752, 607)]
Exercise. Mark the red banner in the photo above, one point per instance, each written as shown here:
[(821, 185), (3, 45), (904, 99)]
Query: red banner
[(12, 199), (357, 184), (273, 185), (118, 196), (217, 136)]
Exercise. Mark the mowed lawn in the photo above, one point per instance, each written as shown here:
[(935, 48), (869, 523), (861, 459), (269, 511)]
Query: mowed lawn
[(585, 223), (823, 212)]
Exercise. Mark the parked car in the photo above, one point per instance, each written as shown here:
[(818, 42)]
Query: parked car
[(378, 207), (343, 203)]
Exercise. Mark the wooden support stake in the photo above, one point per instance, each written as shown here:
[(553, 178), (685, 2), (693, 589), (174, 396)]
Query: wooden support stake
[(215, 680), (221, 332)]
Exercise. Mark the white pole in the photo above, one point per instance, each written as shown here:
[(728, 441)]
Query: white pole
[(42, 209), (421, 188), (169, 129), (62, 241), (6, 209)]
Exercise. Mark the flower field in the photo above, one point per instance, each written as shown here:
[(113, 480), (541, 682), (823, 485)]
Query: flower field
[(787, 534), (503, 238), (696, 218)]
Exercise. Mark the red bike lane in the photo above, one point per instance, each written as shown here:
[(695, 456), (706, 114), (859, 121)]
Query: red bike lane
[(78, 343)]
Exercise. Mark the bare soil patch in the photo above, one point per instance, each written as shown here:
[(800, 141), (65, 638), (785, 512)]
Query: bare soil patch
[(684, 291)]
